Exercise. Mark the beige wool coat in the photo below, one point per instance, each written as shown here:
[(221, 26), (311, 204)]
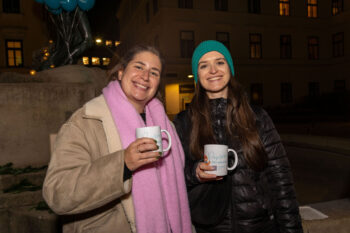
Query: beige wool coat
[(84, 181)]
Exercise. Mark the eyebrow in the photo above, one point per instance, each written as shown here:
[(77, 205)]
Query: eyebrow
[(152, 68), (220, 58)]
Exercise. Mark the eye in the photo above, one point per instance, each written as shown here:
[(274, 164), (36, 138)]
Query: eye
[(138, 67), (202, 66), (221, 62), (154, 73)]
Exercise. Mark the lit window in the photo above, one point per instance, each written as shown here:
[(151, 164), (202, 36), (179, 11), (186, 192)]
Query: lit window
[(254, 6), (256, 93), (338, 44), (284, 6), (224, 38), (186, 43), (116, 43), (14, 53), (11, 6), (95, 61), (285, 46), (255, 46), (86, 61), (312, 8), (286, 93), (109, 43), (221, 5), (313, 48), (106, 61), (337, 6)]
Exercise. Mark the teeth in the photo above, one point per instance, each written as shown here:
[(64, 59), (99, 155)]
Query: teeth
[(213, 79), (141, 86)]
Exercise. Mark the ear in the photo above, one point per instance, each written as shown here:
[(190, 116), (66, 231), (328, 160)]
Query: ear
[(120, 74)]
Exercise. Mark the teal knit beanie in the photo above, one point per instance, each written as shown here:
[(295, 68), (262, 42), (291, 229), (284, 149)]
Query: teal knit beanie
[(208, 46)]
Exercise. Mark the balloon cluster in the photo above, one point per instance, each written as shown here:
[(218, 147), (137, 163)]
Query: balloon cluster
[(56, 6)]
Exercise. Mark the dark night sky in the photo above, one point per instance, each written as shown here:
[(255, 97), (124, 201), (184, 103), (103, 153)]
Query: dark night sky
[(103, 20)]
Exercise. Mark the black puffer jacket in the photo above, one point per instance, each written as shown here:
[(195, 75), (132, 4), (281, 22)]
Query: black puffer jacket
[(245, 201)]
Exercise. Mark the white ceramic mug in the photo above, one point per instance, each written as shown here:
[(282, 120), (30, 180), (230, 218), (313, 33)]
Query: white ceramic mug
[(217, 155), (156, 133)]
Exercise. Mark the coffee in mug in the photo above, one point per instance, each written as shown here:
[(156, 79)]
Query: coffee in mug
[(217, 155), (156, 133)]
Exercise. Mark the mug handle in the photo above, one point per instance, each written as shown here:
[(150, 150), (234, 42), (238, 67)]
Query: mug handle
[(169, 139), (236, 160)]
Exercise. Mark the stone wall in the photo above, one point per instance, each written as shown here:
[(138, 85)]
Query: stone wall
[(32, 108)]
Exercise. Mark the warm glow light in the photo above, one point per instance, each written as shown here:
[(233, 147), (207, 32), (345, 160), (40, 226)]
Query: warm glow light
[(95, 61), (116, 43), (32, 72), (50, 41), (98, 41), (47, 54), (86, 60), (106, 61), (52, 66), (190, 76), (44, 58), (109, 43)]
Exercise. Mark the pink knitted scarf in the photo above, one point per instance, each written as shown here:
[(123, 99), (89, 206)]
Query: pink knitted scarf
[(158, 189)]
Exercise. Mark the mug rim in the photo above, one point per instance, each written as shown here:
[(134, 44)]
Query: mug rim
[(149, 127)]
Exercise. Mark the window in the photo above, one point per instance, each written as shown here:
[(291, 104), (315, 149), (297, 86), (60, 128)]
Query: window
[(109, 43), (147, 12), (14, 53), (186, 43), (313, 48), (339, 85), (224, 38), (286, 93), (256, 93), (86, 61), (106, 61), (337, 6), (314, 89), (95, 61), (186, 4), (221, 5), (11, 6), (155, 6), (254, 6), (255, 46), (286, 46), (312, 8), (284, 6), (338, 44)]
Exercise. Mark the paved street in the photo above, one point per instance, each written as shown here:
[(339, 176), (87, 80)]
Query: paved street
[(319, 175)]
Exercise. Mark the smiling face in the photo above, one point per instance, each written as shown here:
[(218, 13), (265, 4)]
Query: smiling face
[(214, 74), (140, 79)]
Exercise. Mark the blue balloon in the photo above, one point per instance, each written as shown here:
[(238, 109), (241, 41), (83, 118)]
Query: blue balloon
[(53, 4), (86, 5), (56, 11), (39, 1), (68, 5)]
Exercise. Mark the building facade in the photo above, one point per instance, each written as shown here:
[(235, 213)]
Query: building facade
[(23, 31), (283, 50)]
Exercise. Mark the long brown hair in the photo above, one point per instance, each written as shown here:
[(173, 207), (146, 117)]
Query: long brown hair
[(240, 121)]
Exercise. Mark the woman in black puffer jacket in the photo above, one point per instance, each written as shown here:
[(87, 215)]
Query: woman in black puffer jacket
[(256, 197)]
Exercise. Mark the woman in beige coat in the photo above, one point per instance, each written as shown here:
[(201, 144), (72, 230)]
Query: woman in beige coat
[(103, 179)]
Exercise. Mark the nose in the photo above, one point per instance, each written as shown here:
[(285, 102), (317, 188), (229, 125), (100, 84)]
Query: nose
[(145, 75), (212, 69)]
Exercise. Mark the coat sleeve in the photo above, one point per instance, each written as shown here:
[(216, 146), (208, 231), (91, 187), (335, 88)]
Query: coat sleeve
[(286, 208), (80, 179), (183, 129)]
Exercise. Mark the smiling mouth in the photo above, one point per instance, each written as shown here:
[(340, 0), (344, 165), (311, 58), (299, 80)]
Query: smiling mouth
[(141, 86), (214, 78)]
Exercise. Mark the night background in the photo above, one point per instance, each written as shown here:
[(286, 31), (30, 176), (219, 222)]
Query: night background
[(292, 57)]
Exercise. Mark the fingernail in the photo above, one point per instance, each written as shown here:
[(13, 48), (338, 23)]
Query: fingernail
[(160, 153), (158, 157), (155, 140)]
